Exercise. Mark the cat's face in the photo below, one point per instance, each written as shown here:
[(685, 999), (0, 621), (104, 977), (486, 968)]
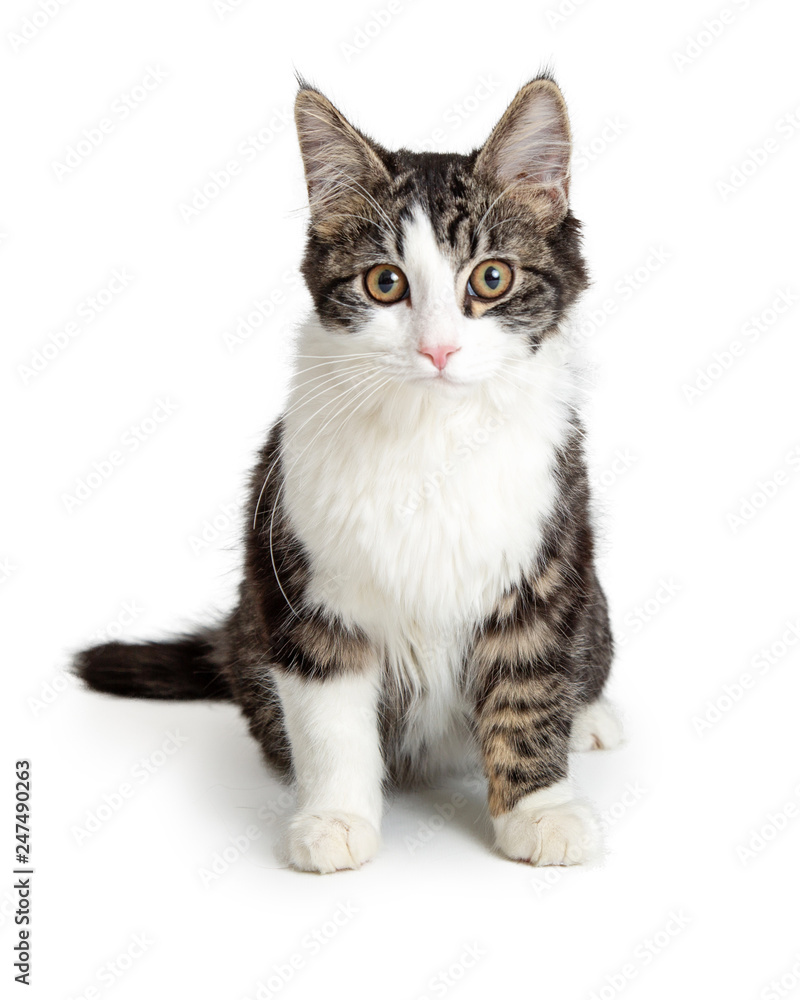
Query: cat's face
[(440, 268)]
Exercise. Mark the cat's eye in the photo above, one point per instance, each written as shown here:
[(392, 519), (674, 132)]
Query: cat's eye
[(386, 283), (490, 279)]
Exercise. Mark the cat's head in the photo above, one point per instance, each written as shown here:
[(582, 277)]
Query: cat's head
[(441, 268)]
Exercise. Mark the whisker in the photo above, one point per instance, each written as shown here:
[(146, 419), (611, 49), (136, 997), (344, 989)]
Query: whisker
[(363, 218), (338, 357), (320, 390), (335, 180), (503, 193), (286, 476), (278, 458), (544, 388), (301, 382), (513, 218), (570, 373), (371, 200)]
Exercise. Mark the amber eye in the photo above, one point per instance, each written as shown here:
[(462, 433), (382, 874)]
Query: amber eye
[(490, 279), (386, 283)]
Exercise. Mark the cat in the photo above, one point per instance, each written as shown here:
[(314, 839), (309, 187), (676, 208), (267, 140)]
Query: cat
[(419, 587)]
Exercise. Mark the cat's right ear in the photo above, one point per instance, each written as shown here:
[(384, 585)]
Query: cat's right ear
[(341, 164)]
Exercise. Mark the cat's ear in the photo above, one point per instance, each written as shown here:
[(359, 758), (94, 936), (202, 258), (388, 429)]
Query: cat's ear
[(341, 164), (529, 150)]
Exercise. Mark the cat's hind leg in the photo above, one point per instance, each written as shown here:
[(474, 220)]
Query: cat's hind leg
[(596, 726)]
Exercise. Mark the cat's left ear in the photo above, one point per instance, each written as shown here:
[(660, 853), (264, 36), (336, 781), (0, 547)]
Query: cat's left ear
[(528, 152), (342, 166)]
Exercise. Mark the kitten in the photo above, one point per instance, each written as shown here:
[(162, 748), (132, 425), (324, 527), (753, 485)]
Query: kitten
[(419, 586)]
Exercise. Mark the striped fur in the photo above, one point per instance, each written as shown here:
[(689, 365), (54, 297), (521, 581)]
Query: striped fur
[(456, 623)]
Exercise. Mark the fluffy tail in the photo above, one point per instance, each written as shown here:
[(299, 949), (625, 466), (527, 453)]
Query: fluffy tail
[(180, 668)]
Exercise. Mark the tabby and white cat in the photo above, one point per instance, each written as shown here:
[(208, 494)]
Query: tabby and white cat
[(419, 586)]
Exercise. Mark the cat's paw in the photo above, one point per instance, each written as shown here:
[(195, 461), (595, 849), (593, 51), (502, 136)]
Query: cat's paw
[(543, 831), (330, 842), (596, 727)]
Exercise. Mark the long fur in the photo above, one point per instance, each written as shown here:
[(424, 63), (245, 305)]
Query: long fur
[(419, 585)]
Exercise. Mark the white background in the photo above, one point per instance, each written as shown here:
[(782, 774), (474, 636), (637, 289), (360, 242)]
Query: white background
[(691, 178)]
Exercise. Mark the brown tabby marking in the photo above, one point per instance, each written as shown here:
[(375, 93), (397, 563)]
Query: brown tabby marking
[(546, 648)]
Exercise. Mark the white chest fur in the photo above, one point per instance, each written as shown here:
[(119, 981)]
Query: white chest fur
[(419, 508), (424, 506)]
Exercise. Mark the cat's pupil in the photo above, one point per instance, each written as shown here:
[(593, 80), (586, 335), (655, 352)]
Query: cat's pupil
[(387, 280), (492, 277)]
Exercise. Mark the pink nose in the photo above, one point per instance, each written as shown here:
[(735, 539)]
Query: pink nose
[(438, 354)]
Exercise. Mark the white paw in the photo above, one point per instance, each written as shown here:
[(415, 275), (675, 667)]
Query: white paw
[(330, 842), (544, 831), (596, 727)]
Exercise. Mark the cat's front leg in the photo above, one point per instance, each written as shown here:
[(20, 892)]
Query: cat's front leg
[(328, 681), (331, 719), (525, 701)]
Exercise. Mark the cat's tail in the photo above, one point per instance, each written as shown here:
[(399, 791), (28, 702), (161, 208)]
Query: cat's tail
[(178, 668)]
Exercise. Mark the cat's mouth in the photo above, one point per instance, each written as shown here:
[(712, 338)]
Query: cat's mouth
[(439, 381), (436, 380)]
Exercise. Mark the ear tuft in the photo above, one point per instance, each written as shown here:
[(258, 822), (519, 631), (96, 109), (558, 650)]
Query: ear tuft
[(528, 152), (340, 163)]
